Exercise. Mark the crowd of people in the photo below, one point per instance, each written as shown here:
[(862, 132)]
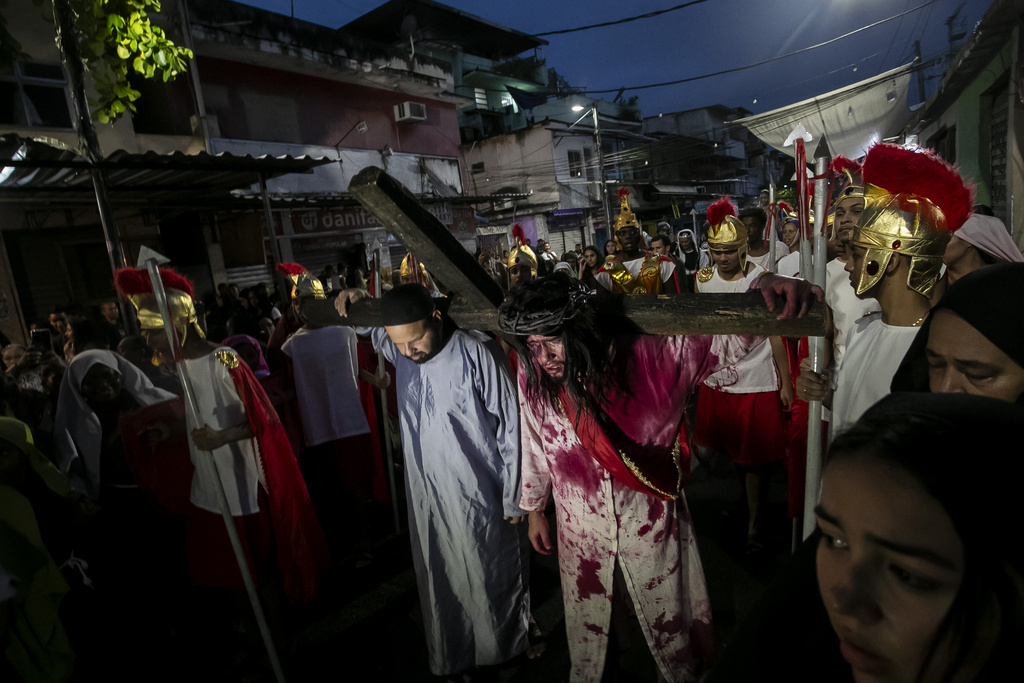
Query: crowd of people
[(123, 456)]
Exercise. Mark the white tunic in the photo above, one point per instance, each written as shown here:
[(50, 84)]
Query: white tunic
[(325, 363), (874, 352), (460, 438), (846, 306), (601, 522), (781, 251), (789, 264), (754, 372), (221, 408)]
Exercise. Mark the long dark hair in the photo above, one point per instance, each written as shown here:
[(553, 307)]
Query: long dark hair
[(587, 333), (926, 436)]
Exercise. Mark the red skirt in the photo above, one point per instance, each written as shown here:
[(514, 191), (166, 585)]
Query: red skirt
[(211, 561), (748, 428)]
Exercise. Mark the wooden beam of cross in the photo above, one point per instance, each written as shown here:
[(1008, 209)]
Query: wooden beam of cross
[(476, 296)]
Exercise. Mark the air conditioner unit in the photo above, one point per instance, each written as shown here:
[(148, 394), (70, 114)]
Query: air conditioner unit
[(410, 111)]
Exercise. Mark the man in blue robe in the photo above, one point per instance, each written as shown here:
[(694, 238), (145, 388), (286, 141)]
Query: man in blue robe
[(460, 436)]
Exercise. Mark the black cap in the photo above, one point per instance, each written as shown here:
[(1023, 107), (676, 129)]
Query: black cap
[(409, 303)]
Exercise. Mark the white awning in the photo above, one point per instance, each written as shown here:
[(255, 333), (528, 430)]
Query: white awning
[(674, 189), (851, 118)]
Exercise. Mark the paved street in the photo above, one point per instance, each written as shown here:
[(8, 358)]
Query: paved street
[(366, 627)]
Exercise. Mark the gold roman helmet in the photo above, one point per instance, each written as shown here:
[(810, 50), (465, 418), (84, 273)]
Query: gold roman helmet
[(849, 179), (409, 268), (727, 232), (303, 284), (626, 218), (522, 255), (134, 285), (913, 202)]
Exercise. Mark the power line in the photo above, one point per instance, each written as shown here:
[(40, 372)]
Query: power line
[(763, 62), (621, 21)]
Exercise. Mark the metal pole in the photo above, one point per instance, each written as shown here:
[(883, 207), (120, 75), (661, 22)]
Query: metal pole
[(222, 500), (816, 344), (604, 185), (275, 248), (770, 228), (386, 418)]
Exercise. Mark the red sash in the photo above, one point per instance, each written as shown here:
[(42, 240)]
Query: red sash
[(654, 470), (302, 554)]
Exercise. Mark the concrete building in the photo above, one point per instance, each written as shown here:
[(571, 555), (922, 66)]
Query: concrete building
[(974, 119), (260, 84)]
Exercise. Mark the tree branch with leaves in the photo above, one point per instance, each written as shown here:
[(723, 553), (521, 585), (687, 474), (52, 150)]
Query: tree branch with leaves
[(116, 38)]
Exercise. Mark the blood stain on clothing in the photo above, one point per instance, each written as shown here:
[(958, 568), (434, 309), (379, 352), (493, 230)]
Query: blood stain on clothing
[(670, 627), (587, 581)]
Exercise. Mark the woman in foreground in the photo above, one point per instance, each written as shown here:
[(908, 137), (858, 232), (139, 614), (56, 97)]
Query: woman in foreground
[(914, 571)]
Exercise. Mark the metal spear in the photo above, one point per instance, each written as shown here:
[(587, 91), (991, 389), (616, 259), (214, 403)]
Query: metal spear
[(816, 344), (151, 261)]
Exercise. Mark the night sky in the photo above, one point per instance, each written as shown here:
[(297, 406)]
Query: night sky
[(708, 37)]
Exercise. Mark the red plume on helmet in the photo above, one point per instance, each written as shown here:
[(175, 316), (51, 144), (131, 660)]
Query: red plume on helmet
[(290, 269), (786, 207), (898, 170), (623, 191), (841, 165), (518, 236), (131, 281), (720, 209)]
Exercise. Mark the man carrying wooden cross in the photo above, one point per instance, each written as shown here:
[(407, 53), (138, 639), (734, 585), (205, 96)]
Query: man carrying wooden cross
[(460, 437), (601, 412)]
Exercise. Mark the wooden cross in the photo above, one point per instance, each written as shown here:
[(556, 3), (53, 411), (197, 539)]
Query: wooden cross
[(477, 296)]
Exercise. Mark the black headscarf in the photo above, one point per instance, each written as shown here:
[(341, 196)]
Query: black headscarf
[(991, 300)]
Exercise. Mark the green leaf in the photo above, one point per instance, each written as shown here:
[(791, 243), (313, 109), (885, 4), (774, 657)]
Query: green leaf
[(122, 52)]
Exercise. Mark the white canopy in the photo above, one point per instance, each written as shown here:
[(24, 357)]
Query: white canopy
[(851, 118)]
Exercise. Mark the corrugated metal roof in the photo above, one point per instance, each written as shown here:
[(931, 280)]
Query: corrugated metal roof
[(38, 171)]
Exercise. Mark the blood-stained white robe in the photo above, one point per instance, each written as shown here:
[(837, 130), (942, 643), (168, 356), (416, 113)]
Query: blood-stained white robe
[(600, 521)]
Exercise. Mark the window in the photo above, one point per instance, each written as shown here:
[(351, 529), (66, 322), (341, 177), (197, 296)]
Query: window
[(35, 95), (481, 98), (588, 163), (507, 101), (477, 168), (575, 164)]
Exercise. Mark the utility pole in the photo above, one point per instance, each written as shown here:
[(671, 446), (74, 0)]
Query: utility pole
[(600, 164)]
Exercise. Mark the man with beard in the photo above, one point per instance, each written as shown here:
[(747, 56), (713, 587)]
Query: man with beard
[(601, 413), (631, 270), (460, 437)]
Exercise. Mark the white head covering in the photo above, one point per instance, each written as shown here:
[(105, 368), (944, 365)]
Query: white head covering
[(988, 234), (562, 265), (77, 435)]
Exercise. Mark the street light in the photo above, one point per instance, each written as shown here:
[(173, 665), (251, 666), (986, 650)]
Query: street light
[(600, 160)]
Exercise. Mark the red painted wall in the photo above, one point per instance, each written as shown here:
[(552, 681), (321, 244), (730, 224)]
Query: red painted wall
[(327, 111)]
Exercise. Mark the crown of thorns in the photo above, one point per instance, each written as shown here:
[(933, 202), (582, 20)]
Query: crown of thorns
[(544, 318)]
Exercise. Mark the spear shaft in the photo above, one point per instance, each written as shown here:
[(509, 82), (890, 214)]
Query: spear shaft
[(222, 500)]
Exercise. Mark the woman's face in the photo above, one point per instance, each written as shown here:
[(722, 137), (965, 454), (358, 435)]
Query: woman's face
[(609, 247), (889, 566), (101, 384), (961, 360), (591, 257), (789, 234), (685, 241)]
